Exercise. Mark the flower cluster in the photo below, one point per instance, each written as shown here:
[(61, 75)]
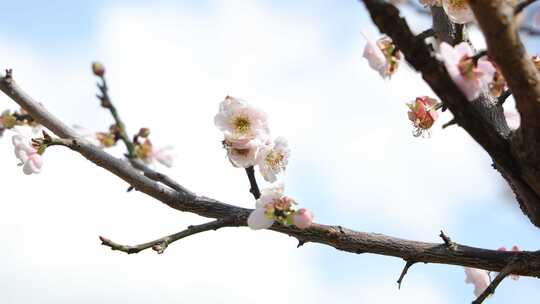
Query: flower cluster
[(471, 75), (422, 113), (383, 56), (248, 143), (247, 138), (274, 206)]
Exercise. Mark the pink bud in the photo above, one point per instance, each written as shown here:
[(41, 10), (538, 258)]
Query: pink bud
[(303, 218)]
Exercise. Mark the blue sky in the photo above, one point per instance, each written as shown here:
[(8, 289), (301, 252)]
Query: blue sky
[(354, 162)]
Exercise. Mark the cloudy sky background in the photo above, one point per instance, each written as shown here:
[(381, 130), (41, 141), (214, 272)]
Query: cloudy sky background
[(169, 64)]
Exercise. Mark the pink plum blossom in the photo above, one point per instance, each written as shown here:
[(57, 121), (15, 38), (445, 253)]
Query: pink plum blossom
[(303, 218), (422, 113), (164, 156), (272, 158), (458, 11), (31, 161), (382, 55), (469, 76), (240, 120), (479, 278)]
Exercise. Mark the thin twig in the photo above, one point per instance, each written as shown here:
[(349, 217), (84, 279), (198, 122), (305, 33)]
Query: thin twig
[(503, 97), (107, 103), (448, 241), (425, 34), (478, 55), (254, 188), (522, 5), (511, 267), (404, 272), (161, 244), (452, 122)]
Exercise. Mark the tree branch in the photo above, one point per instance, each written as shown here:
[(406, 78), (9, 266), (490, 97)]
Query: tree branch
[(161, 244), (335, 236), (482, 119), (496, 20), (408, 265)]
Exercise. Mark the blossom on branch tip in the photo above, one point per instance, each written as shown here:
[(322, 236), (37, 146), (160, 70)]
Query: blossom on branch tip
[(31, 160), (383, 56), (479, 278), (458, 11), (273, 158), (471, 77), (422, 113)]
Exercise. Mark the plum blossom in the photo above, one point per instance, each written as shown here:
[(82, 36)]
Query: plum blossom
[(240, 120), (242, 153), (31, 160), (458, 11), (470, 76), (303, 218), (273, 158), (422, 113), (479, 278), (274, 206), (382, 55), (149, 154), (428, 3), (515, 248)]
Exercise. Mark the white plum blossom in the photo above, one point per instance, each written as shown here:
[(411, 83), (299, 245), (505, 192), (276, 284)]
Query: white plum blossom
[(240, 120), (479, 278), (273, 158), (458, 11), (471, 77), (31, 160), (260, 218), (242, 153)]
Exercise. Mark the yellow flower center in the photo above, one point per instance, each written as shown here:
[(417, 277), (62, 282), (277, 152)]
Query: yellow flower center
[(458, 4), (241, 125), (275, 160)]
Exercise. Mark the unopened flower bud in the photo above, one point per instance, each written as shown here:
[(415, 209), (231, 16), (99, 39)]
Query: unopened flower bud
[(98, 69), (144, 132), (303, 218)]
